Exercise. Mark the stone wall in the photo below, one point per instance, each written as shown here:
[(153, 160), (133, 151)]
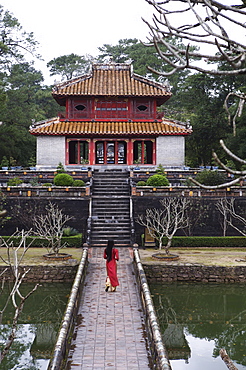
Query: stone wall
[(46, 274), (22, 210), (195, 274), (209, 224), (170, 150), (50, 151)]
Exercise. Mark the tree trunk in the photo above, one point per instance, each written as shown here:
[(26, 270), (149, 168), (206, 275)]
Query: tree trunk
[(169, 243), (227, 360)]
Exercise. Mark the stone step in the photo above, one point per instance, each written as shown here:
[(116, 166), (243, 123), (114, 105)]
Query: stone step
[(114, 205), (111, 235), (112, 179), (121, 198), (111, 191), (110, 223), (110, 217), (119, 206), (110, 187), (110, 208)]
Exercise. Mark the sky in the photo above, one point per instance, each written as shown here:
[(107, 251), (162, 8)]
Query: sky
[(79, 26)]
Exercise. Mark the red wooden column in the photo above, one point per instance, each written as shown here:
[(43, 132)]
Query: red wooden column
[(129, 151), (154, 152), (66, 153), (91, 152), (142, 152)]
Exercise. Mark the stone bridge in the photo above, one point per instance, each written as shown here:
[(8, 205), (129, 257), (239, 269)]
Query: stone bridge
[(110, 330)]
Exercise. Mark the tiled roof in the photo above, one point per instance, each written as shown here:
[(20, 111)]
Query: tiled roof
[(111, 80), (99, 128)]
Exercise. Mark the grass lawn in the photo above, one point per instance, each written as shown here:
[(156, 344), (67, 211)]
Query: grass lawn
[(34, 256), (203, 256)]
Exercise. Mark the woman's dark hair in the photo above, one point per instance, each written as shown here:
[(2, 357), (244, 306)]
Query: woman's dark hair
[(109, 248)]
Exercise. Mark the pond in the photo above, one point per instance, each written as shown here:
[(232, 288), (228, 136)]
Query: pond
[(38, 326), (197, 320)]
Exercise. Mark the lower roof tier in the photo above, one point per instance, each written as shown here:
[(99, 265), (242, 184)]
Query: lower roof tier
[(105, 128)]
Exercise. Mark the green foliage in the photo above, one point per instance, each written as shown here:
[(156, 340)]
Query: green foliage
[(141, 183), (14, 41), (73, 241), (208, 177), (63, 179), (32, 161), (142, 57), (70, 231), (48, 184), (78, 183), (160, 170), (26, 101), (15, 181), (34, 181), (209, 242), (60, 168), (157, 180), (69, 66), (4, 162)]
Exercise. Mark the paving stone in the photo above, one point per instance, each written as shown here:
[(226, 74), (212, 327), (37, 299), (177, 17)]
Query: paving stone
[(110, 334)]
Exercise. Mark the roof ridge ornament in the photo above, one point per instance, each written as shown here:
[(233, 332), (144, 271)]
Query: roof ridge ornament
[(111, 65)]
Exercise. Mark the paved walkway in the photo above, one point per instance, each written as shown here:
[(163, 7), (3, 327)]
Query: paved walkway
[(110, 331)]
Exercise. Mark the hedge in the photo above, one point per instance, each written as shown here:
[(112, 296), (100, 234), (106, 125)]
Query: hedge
[(208, 242), (71, 241)]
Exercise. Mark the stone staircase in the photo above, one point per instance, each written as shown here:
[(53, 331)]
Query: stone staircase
[(110, 208)]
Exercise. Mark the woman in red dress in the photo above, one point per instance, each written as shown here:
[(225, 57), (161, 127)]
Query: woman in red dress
[(111, 255)]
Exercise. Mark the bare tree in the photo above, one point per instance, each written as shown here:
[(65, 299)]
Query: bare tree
[(221, 206), (227, 208), (13, 259), (207, 23), (227, 360), (239, 108), (50, 227), (166, 221)]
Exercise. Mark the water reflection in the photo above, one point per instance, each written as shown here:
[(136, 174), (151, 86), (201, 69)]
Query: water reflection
[(37, 329), (197, 320)]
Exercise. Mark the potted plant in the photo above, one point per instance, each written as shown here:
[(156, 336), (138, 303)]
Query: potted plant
[(32, 163), (137, 162), (12, 163), (84, 162), (5, 163)]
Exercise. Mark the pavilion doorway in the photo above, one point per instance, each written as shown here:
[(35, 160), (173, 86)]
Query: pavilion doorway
[(143, 152), (111, 152), (78, 151)]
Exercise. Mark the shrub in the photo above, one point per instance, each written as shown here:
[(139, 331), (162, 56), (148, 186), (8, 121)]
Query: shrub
[(209, 242), (60, 168), (63, 179), (70, 231), (160, 170), (15, 181), (141, 183), (78, 183), (157, 180), (208, 177), (47, 184), (4, 162)]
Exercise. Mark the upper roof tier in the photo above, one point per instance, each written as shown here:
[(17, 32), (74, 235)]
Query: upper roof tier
[(111, 79)]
